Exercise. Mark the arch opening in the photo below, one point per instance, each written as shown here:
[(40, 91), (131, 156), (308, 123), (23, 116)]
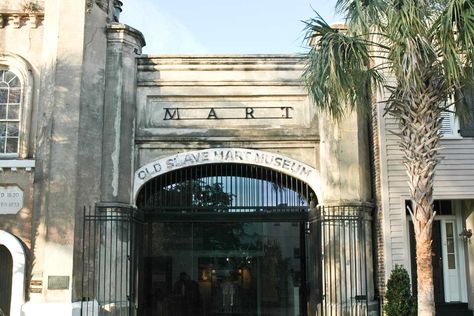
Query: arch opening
[(240, 156), (224, 239), (6, 262), (224, 189), (17, 274)]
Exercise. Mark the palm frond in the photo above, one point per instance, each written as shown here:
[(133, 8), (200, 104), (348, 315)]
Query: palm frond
[(453, 31), (338, 73), (362, 15), (464, 98)]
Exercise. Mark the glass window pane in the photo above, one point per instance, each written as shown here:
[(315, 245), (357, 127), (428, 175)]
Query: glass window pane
[(12, 79), (12, 145), (2, 74), (13, 111), (3, 95), (450, 245), (15, 95), (8, 76), (446, 207), (449, 230), (15, 82), (451, 261), (3, 129), (12, 129), (245, 268), (3, 111), (2, 145)]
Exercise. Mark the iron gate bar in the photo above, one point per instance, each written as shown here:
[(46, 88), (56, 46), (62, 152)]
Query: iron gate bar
[(256, 194), (227, 217), (343, 258), (247, 185), (109, 260), (340, 233)]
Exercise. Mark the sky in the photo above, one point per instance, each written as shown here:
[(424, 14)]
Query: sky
[(224, 26)]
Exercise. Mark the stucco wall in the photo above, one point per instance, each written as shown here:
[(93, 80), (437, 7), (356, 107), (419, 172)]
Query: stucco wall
[(187, 103)]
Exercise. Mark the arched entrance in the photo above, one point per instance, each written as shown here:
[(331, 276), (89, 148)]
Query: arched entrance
[(6, 262), (224, 239), (226, 232), (12, 274)]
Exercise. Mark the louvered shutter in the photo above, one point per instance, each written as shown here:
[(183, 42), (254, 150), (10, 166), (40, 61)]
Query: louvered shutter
[(467, 127), (447, 125)]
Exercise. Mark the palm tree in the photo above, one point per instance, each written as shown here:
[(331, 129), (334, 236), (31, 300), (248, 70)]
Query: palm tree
[(421, 54)]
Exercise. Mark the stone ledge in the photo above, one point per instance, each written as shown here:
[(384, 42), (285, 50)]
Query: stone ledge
[(51, 309), (19, 19), (16, 164)]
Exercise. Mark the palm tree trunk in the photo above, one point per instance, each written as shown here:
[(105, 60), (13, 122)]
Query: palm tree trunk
[(420, 123), (424, 270)]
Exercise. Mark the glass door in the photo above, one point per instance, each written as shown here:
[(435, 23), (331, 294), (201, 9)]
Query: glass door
[(224, 268), (451, 261)]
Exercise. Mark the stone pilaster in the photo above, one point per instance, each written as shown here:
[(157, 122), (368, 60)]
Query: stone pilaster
[(124, 44)]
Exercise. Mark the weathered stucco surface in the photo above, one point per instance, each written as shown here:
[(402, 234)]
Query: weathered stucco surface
[(186, 103), (98, 113)]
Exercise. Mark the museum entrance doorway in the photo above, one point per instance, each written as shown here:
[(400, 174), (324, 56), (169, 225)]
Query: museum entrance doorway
[(224, 239), (6, 262)]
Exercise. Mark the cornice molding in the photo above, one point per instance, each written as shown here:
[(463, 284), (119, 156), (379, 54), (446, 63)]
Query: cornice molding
[(21, 19)]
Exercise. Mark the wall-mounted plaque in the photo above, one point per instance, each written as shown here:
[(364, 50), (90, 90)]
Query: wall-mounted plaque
[(11, 199), (58, 282)]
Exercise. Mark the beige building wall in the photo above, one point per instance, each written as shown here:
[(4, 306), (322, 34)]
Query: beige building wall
[(94, 114), (255, 102), (59, 51)]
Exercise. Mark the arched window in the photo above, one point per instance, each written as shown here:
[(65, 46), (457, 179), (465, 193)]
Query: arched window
[(16, 103), (11, 95)]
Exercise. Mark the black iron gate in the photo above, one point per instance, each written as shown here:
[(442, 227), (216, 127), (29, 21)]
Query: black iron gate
[(343, 264), (110, 260), (340, 256)]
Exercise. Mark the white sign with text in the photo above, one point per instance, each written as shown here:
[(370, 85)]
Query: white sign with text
[(274, 161), (11, 199)]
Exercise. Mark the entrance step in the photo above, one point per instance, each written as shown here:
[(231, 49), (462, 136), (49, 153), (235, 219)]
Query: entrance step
[(451, 309)]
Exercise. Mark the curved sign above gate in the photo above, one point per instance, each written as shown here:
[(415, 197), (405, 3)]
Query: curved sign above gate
[(274, 161)]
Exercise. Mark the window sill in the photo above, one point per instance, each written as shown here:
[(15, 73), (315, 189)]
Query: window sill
[(451, 137), (27, 164)]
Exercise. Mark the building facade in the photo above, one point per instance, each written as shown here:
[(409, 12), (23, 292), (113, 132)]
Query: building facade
[(183, 185), (453, 193)]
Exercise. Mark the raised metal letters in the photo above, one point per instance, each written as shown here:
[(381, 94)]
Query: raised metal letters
[(225, 113)]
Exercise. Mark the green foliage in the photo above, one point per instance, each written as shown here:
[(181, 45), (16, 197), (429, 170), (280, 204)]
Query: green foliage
[(399, 302), (405, 47), (420, 54)]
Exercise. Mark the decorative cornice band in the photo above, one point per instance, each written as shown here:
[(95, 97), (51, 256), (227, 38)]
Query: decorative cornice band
[(19, 19)]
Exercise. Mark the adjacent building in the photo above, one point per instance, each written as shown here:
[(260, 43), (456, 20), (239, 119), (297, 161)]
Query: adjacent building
[(453, 193)]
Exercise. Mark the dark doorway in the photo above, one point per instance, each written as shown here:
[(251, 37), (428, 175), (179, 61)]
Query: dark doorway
[(224, 240), (247, 268), (6, 270)]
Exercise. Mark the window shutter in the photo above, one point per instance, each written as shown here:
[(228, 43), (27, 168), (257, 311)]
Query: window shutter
[(467, 128), (447, 124)]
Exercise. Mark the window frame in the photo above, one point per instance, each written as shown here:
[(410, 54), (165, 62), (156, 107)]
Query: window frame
[(7, 120), (23, 70)]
